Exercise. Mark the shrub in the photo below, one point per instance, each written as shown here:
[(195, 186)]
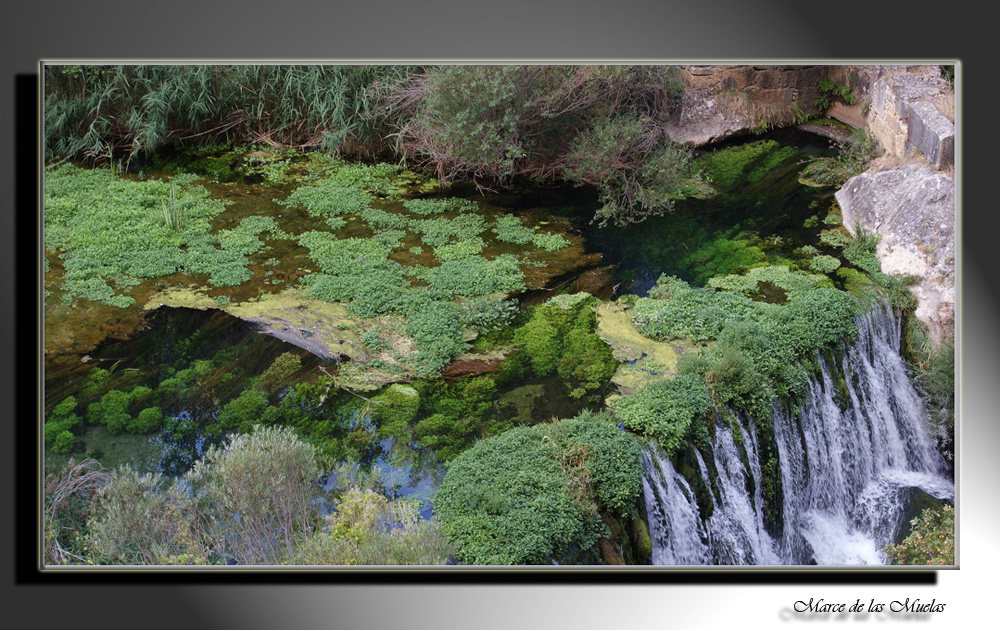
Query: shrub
[(140, 519), (495, 123), (506, 501), (665, 409), (532, 493), (255, 495), (931, 542)]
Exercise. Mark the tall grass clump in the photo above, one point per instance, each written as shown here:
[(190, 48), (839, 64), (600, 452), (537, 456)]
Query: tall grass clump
[(93, 112)]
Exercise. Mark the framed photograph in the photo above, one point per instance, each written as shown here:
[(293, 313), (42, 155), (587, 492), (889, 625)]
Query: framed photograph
[(620, 318)]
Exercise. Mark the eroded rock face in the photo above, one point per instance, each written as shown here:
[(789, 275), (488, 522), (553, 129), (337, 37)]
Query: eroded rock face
[(913, 209), (914, 111), (722, 101)]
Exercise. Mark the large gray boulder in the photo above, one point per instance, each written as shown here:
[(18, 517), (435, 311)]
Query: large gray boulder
[(913, 209)]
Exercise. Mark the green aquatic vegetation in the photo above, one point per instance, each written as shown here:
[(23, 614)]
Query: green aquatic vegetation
[(549, 241), (441, 230), (476, 276), (781, 276), (381, 179), (60, 423), (560, 337), (110, 229), (531, 494), (436, 332), (723, 256), (147, 420), (430, 206), (834, 238), (329, 199), (459, 250), (115, 409), (379, 219), (509, 229), (771, 161), (395, 407), (674, 310), (485, 314), (725, 168)]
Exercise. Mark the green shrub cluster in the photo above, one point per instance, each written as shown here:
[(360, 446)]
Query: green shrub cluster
[(760, 350), (530, 494), (495, 123), (665, 410), (930, 542)]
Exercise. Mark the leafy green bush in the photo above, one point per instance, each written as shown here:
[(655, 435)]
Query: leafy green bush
[(665, 409), (530, 494), (931, 542)]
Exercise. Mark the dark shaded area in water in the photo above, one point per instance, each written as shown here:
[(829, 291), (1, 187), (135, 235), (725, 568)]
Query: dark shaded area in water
[(754, 222)]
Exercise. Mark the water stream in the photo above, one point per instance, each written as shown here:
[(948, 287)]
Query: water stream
[(848, 469)]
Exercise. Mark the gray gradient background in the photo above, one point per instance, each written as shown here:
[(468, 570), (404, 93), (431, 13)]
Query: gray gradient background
[(517, 30)]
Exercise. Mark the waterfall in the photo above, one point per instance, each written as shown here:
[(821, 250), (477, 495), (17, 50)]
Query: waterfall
[(849, 459)]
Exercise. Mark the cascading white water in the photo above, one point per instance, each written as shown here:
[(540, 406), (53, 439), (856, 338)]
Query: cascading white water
[(846, 467)]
